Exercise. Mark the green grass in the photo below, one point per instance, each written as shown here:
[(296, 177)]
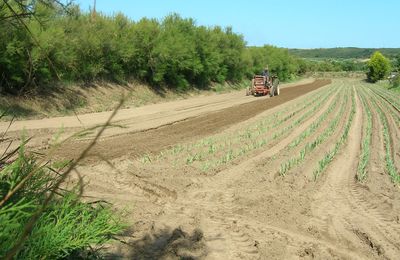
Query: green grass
[(65, 227)]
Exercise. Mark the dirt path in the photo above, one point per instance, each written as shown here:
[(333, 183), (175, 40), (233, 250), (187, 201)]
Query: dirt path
[(144, 117), (156, 139)]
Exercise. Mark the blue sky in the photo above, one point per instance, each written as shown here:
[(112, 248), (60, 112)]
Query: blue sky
[(283, 23)]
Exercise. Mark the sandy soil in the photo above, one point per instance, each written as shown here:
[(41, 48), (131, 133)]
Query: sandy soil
[(207, 186), (85, 126)]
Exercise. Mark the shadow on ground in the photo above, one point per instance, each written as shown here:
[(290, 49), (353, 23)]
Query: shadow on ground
[(164, 244)]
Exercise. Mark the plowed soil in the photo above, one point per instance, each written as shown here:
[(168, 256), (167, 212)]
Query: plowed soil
[(202, 180), (164, 136)]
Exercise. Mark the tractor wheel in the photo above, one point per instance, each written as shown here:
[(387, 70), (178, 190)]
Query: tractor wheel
[(277, 90), (276, 87)]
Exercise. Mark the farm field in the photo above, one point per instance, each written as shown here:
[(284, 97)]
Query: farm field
[(312, 173)]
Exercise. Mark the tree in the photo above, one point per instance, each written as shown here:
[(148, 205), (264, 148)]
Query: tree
[(378, 67), (396, 63)]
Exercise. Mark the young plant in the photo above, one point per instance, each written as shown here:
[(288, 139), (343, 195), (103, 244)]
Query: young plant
[(366, 142), (324, 162), (390, 167)]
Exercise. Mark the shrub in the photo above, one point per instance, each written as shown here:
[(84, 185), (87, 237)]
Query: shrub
[(395, 82), (378, 67), (396, 63), (74, 46)]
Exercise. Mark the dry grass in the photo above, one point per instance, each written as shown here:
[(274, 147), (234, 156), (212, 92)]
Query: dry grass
[(97, 97)]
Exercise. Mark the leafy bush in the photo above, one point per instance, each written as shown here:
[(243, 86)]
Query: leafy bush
[(66, 226), (378, 67), (333, 65), (279, 61), (345, 53), (395, 82), (396, 63), (69, 45)]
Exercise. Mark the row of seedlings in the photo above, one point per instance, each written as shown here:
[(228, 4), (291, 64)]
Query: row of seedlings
[(389, 162), (366, 140), (329, 156), (312, 145)]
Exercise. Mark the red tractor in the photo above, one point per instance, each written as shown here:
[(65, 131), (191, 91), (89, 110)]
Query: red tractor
[(262, 85)]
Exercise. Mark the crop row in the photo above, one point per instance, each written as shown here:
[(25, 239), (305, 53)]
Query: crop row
[(263, 126), (295, 109), (316, 124), (254, 143), (389, 101), (388, 97), (312, 145), (212, 146), (324, 162), (390, 167), (395, 114), (366, 141)]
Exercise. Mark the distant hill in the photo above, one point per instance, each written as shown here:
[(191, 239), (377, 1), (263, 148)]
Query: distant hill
[(343, 53)]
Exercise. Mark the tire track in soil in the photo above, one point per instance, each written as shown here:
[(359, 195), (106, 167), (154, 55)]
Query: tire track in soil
[(282, 241), (345, 215), (155, 140), (377, 173), (211, 204), (213, 210)]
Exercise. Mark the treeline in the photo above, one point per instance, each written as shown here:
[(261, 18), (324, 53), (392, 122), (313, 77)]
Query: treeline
[(343, 53), (279, 62), (67, 45), (332, 65)]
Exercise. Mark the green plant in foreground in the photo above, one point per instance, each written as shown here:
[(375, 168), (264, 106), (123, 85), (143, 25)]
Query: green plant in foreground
[(65, 227)]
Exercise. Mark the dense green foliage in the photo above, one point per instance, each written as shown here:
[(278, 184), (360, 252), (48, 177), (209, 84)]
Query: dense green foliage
[(68, 45), (378, 67), (396, 63), (395, 82), (279, 61), (66, 226), (332, 65), (343, 53)]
